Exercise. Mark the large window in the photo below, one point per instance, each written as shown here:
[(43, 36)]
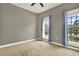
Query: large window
[(73, 28)]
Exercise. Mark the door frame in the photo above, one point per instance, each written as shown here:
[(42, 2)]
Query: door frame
[(66, 37), (50, 28)]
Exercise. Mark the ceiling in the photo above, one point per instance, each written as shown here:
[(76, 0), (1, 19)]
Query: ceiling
[(37, 8)]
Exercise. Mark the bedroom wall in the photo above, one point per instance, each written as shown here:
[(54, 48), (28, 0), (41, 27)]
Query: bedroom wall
[(16, 24), (57, 14)]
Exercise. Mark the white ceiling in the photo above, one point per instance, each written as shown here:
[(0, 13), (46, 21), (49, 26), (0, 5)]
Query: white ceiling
[(37, 8)]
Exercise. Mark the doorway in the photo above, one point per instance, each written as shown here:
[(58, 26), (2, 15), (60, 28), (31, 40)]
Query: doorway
[(46, 28)]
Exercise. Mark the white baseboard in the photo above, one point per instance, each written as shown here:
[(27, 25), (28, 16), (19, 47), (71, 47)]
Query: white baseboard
[(73, 48), (57, 44), (11, 44), (69, 47)]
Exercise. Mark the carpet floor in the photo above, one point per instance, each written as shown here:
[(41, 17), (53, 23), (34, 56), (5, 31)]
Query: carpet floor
[(37, 48)]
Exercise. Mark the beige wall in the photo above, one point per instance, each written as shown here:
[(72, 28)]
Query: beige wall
[(57, 14), (16, 24)]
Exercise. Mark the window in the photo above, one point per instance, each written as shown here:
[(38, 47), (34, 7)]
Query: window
[(73, 28)]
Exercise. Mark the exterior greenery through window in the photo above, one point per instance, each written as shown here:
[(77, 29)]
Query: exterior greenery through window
[(73, 27)]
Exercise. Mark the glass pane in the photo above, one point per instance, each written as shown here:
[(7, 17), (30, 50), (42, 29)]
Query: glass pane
[(69, 27), (78, 17), (77, 31), (68, 19), (70, 37), (69, 24), (74, 30), (78, 20), (74, 20)]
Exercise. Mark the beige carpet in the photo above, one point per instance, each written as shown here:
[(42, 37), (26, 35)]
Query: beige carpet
[(37, 48)]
